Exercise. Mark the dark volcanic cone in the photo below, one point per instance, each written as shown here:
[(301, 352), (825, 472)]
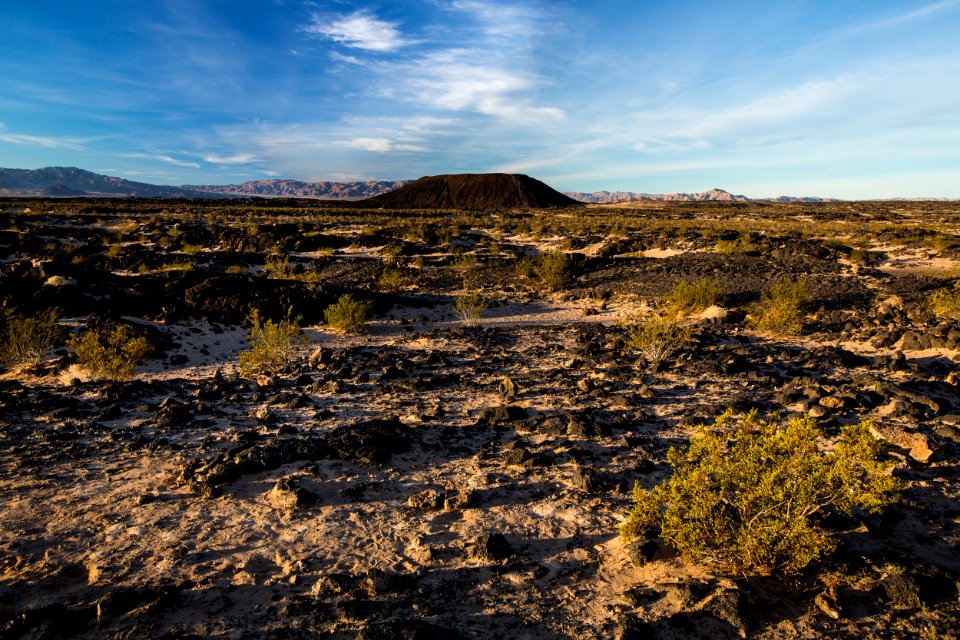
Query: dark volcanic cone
[(473, 191)]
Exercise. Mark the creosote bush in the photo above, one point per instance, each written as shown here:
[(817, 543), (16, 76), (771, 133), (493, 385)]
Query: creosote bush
[(945, 303), (781, 308), (658, 336), (392, 280), (550, 271), (694, 296), (25, 340), (272, 344), (747, 494), (348, 315), (111, 353)]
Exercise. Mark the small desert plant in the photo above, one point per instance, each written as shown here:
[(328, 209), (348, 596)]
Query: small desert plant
[(549, 271), (391, 252), (945, 303), (742, 244), (469, 307), (392, 280), (781, 308), (657, 336), (183, 265), (277, 267), (748, 496), (27, 339), (862, 256), (693, 297), (464, 265), (552, 270), (347, 315), (272, 344), (111, 352)]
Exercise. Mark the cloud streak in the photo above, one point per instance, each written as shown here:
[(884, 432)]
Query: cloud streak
[(47, 142), (168, 159), (242, 158)]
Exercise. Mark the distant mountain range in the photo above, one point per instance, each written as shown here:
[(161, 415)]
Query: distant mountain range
[(71, 181), (298, 189), (713, 195), (74, 182)]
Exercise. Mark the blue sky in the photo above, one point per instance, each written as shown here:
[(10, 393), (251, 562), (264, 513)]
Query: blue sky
[(854, 99)]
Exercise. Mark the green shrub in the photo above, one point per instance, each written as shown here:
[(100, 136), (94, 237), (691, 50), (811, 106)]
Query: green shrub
[(27, 339), (781, 308), (657, 336), (272, 344), (744, 243), (469, 307), (392, 251), (945, 303), (694, 297), (347, 315), (550, 271), (277, 267), (111, 352), (862, 257), (392, 280), (465, 266), (748, 496)]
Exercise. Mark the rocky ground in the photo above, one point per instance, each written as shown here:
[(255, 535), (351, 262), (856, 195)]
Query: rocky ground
[(432, 480)]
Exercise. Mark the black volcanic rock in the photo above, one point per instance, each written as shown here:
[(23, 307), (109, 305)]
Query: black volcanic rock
[(473, 191)]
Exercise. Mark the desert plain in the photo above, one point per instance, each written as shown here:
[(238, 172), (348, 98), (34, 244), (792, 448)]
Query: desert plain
[(442, 476)]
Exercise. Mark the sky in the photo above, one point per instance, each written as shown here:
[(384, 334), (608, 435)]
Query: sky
[(849, 99)]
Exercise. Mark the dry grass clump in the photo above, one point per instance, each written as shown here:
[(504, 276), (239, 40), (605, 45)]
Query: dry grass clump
[(747, 496), (25, 340), (470, 305), (781, 310)]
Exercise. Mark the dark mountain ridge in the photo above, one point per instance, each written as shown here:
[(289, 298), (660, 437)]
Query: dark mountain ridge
[(282, 188), (71, 181)]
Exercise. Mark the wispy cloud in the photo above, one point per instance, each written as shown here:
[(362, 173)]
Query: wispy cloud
[(321, 150), (378, 145), (47, 142), (502, 21), (242, 158), (918, 13), (360, 30), (162, 158)]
